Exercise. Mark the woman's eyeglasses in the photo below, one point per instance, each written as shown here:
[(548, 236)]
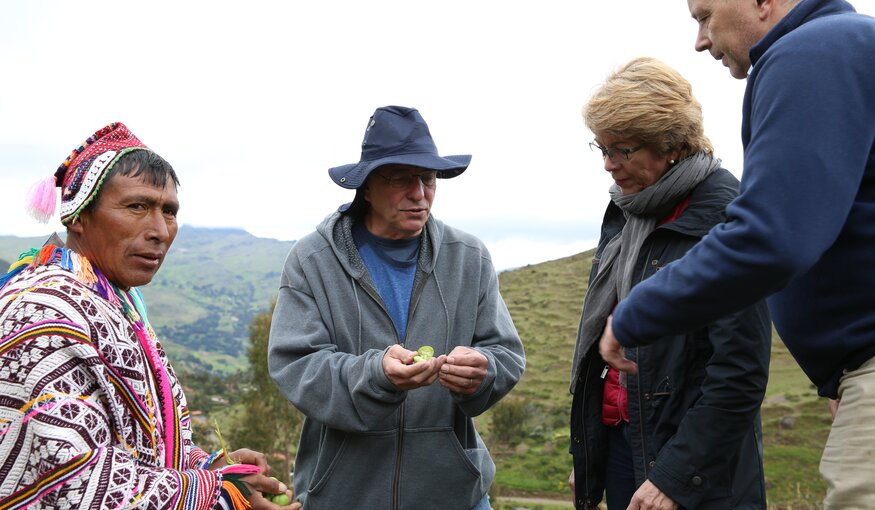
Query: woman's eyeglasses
[(613, 152)]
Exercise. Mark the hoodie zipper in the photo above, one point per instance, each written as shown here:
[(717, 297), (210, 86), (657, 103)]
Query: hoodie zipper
[(416, 293), (414, 300), (396, 490), (397, 477)]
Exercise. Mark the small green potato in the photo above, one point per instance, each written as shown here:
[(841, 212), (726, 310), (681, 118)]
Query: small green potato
[(277, 499), (280, 499), (425, 353)]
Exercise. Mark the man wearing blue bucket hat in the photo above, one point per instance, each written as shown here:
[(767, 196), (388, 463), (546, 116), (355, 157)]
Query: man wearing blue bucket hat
[(379, 283)]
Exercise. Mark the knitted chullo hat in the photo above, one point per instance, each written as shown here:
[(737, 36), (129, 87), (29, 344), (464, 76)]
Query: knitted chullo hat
[(82, 173)]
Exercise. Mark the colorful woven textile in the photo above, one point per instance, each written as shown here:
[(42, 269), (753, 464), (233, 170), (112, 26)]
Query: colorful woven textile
[(91, 412)]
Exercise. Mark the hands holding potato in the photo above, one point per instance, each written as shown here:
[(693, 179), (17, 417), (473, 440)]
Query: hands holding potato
[(406, 374), (462, 371), (267, 492)]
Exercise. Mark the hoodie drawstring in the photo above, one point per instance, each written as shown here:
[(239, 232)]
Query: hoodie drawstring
[(446, 312), (358, 307)]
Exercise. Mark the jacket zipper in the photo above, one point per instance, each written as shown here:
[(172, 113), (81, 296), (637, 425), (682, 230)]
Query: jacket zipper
[(585, 433), (641, 424), (585, 375), (638, 389)]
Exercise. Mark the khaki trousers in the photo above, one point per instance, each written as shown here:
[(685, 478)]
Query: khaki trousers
[(848, 462)]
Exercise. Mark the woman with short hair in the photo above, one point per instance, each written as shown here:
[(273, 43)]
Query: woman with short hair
[(684, 431)]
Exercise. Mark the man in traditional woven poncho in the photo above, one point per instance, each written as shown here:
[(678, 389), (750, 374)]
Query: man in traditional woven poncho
[(91, 412)]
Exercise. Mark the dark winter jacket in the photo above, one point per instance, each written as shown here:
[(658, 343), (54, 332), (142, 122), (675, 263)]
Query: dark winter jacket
[(694, 405)]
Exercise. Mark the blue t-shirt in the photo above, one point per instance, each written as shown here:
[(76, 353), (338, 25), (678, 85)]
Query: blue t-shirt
[(392, 265)]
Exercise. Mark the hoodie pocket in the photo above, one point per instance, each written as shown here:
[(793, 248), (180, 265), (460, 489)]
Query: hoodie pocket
[(353, 471), (437, 469)]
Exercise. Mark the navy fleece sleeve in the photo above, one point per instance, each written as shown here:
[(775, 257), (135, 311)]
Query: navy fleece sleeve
[(810, 133)]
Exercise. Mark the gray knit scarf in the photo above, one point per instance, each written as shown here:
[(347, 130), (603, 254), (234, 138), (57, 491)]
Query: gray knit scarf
[(613, 281)]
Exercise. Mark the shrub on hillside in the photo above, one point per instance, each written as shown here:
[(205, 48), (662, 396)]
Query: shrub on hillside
[(508, 421)]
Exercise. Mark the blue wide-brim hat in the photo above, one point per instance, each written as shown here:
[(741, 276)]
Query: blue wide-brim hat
[(397, 135)]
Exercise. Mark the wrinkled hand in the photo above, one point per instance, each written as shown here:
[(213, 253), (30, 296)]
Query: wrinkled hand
[(649, 497), (612, 352), (571, 482), (402, 372), (243, 456), (464, 370), (259, 484), (834, 407), (574, 494)]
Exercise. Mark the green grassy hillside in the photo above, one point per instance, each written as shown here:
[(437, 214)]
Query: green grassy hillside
[(211, 285), (545, 302)]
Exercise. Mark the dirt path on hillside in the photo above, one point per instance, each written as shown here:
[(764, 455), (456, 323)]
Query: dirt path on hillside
[(536, 501)]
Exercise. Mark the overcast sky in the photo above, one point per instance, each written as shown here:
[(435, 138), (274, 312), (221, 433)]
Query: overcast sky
[(253, 101)]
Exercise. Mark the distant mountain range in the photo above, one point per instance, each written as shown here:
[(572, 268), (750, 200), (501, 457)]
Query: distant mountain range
[(213, 282)]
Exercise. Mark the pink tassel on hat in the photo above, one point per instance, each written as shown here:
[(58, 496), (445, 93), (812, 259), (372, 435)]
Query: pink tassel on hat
[(42, 199)]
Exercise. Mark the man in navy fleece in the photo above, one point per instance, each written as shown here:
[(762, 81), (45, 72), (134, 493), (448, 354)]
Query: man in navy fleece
[(802, 230)]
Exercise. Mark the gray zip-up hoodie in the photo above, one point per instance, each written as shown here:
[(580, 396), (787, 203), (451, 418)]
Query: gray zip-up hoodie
[(365, 443)]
